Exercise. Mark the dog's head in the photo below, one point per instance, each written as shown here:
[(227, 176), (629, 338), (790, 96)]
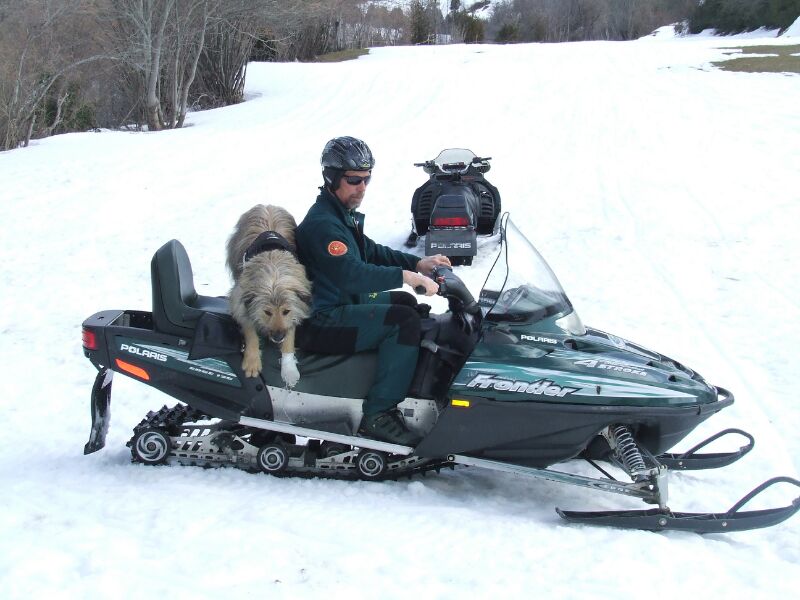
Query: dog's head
[(273, 315), (274, 300)]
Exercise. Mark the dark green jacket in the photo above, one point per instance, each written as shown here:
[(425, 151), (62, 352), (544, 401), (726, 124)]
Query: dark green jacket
[(340, 260)]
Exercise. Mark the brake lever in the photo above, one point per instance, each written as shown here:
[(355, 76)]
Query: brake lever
[(438, 278)]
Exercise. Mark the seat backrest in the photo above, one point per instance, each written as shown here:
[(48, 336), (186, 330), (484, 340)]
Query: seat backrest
[(176, 304)]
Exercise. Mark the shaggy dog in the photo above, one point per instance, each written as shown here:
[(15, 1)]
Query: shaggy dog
[(271, 293)]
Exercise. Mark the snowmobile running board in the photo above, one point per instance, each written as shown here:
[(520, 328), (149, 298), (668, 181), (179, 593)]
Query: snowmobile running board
[(656, 519), (339, 438)]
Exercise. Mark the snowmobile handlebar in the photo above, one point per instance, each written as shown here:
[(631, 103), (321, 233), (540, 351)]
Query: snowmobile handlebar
[(432, 167), (452, 288)]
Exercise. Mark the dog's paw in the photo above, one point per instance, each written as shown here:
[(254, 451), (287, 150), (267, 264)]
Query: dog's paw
[(251, 365), (289, 372)]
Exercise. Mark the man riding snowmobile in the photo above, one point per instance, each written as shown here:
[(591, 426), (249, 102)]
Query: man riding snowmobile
[(513, 382), (353, 311)]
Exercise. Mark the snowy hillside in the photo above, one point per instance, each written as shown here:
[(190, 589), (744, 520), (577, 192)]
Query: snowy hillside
[(664, 193)]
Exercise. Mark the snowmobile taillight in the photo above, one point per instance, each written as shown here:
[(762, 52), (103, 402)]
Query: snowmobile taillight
[(450, 221), (89, 339), (133, 370)]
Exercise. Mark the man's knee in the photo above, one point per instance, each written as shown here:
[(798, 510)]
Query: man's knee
[(407, 320), (402, 298)]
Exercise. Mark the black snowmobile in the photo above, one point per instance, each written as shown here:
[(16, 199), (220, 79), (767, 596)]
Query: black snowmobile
[(512, 381), (454, 206)]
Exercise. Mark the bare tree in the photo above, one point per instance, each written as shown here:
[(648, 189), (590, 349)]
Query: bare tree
[(154, 51), (223, 62), (39, 48), (161, 42)]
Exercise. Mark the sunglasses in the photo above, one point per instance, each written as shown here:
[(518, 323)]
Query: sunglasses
[(356, 179)]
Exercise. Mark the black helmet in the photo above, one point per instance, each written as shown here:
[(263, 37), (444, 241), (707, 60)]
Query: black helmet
[(344, 154)]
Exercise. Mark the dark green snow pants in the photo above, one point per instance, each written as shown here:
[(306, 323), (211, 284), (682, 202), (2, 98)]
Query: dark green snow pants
[(386, 321)]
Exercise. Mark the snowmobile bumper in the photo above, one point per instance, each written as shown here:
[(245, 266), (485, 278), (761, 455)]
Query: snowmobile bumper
[(665, 520), (691, 461)]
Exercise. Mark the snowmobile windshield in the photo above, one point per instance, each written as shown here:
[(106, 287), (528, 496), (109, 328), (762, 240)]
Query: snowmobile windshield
[(522, 288), (454, 160)]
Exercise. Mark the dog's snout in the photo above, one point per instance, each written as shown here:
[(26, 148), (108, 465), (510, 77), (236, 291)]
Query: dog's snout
[(277, 336)]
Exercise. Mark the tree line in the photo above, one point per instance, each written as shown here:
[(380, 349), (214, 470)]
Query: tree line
[(73, 65), (580, 20), (735, 16)]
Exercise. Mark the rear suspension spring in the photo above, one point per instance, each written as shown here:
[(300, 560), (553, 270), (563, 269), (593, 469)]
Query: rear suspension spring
[(628, 452)]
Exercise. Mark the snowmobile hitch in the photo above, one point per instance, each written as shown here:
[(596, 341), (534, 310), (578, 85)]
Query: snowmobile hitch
[(690, 461), (666, 520), (100, 403)]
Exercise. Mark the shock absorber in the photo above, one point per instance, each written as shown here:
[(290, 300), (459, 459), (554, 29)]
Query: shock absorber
[(627, 452)]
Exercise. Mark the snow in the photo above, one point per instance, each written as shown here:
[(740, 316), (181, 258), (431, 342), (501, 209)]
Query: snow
[(760, 33), (665, 31), (668, 31), (663, 192), (793, 30)]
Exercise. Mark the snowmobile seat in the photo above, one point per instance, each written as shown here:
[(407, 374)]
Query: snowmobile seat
[(176, 304)]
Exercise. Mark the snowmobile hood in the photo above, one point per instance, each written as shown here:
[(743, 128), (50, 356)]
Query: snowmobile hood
[(521, 364), (534, 346)]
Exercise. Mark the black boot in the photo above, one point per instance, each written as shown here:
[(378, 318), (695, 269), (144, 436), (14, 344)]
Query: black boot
[(388, 426)]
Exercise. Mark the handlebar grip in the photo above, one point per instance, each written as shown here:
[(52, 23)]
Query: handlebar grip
[(420, 289)]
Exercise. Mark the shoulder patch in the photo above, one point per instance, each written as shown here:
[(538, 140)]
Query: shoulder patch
[(337, 248)]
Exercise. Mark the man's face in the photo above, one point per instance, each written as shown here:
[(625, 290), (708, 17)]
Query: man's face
[(351, 195)]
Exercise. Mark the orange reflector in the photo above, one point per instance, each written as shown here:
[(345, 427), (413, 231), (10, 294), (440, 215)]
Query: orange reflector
[(461, 403), (133, 370)]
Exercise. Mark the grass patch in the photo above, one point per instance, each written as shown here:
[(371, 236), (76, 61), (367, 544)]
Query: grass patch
[(342, 55), (784, 62)]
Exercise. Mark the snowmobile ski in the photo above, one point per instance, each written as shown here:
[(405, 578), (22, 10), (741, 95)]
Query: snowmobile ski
[(658, 519)]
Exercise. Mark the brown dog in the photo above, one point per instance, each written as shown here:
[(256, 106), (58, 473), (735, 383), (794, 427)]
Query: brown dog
[(271, 293)]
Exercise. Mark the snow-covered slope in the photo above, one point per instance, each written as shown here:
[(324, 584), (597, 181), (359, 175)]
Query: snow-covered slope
[(663, 193), (793, 29)]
